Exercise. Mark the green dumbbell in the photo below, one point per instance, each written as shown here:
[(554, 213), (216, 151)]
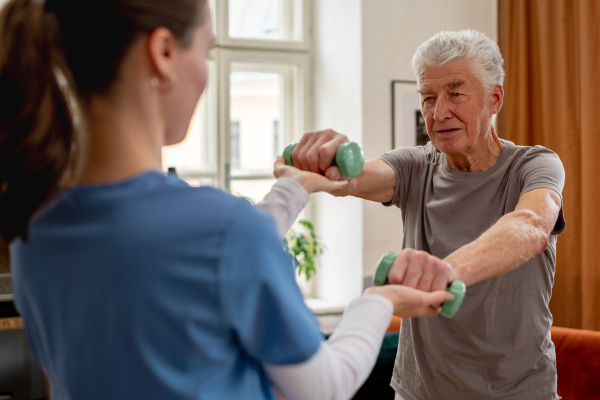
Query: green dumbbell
[(457, 288), (349, 158)]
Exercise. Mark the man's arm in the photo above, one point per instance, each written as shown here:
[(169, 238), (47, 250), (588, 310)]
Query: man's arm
[(316, 150), (376, 182), (514, 239), (287, 198)]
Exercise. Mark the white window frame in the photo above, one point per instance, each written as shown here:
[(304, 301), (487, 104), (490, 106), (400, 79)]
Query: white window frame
[(296, 102), (216, 101), (296, 110), (293, 8)]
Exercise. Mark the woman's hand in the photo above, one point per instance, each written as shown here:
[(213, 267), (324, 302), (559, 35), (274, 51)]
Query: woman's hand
[(311, 182), (409, 302)]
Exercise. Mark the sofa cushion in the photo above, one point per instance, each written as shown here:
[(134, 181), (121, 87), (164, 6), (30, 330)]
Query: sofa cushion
[(577, 362)]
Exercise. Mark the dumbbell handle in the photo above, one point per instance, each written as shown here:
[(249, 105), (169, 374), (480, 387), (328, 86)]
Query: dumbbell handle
[(349, 158), (457, 288)]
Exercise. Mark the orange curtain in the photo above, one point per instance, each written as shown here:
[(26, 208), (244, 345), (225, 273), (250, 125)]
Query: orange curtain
[(551, 50)]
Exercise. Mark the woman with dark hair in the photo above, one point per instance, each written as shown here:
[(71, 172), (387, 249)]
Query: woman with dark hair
[(132, 284)]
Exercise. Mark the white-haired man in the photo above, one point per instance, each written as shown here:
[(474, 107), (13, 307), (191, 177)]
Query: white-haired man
[(476, 208)]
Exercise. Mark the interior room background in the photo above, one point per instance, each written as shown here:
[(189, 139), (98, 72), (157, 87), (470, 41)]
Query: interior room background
[(336, 73)]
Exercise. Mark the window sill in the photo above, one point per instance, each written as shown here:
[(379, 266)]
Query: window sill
[(329, 313), (324, 307)]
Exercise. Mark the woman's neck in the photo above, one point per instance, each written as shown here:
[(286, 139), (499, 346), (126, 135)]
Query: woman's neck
[(121, 142)]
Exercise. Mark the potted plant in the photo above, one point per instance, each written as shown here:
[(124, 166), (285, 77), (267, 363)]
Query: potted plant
[(305, 247)]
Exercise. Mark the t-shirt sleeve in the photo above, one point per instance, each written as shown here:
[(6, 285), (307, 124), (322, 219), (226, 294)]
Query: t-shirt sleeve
[(542, 168), (260, 297), (406, 162)]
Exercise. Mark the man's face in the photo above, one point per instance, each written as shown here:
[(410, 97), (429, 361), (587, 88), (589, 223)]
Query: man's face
[(457, 109)]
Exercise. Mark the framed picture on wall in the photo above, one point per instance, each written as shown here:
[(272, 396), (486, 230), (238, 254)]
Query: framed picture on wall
[(408, 124)]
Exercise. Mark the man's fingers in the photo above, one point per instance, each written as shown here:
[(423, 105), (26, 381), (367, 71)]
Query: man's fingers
[(333, 173), (328, 151), (316, 150), (398, 270), (428, 274), (440, 282), (416, 261)]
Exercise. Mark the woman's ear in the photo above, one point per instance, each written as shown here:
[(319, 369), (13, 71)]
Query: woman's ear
[(162, 48)]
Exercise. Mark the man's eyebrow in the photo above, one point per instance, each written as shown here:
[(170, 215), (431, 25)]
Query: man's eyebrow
[(451, 86), (455, 84)]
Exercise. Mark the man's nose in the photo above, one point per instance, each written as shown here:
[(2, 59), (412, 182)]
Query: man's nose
[(442, 109)]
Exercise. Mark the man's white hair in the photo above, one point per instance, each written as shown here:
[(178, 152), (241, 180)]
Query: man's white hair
[(448, 46)]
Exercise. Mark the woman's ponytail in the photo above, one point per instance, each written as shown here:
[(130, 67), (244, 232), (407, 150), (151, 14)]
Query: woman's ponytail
[(36, 126)]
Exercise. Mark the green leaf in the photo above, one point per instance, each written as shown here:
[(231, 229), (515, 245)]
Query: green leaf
[(305, 247)]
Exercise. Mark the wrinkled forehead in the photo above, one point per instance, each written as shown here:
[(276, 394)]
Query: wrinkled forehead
[(451, 76), (428, 87)]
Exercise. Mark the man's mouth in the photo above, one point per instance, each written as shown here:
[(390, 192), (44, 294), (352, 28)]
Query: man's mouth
[(449, 130)]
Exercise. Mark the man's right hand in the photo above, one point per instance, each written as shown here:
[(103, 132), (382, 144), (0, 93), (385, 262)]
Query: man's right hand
[(316, 150), (420, 270)]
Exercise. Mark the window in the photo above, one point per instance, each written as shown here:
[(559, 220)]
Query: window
[(255, 102), (265, 19)]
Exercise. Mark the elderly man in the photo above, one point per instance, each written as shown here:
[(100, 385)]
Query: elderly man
[(476, 208)]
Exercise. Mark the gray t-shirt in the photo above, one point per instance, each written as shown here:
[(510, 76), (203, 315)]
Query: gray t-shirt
[(498, 344)]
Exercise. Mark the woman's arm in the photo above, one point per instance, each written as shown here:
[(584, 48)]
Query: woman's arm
[(342, 363), (290, 194)]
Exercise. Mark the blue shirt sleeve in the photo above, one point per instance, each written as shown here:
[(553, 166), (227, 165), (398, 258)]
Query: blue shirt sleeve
[(260, 297)]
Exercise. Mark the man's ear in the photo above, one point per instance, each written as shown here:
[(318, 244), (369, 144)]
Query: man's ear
[(162, 48), (496, 97)]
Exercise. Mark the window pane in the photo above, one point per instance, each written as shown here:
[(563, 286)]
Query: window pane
[(255, 190), (256, 116), (265, 19)]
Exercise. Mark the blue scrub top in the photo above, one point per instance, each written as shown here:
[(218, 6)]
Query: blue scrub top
[(150, 288)]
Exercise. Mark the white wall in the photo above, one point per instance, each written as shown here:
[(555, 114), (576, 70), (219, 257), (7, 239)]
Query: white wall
[(337, 104), (360, 47)]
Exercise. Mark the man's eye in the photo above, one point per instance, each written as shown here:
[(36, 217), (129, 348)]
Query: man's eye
[(454, 94)]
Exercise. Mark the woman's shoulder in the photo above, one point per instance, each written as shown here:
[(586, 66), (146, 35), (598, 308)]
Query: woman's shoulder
[(210, 204), (153, 199)]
